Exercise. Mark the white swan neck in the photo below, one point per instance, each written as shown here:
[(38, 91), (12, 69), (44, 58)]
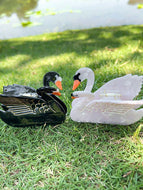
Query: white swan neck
[(90, 81)]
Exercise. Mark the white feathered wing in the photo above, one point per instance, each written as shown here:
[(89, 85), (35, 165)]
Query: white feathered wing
[(124, 88), (108, 112)]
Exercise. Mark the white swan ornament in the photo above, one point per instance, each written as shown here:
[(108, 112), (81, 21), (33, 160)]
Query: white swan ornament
[(111, 104)]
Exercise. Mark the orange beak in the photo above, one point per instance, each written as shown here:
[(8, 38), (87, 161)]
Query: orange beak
[(73, 97), (59, 84), (56, 93), (75, 84)]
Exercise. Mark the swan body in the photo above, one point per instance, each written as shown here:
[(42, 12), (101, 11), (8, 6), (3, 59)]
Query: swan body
[(111, 104), (25, 106)]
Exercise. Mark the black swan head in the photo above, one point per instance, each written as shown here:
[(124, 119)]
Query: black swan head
[(52, 77)]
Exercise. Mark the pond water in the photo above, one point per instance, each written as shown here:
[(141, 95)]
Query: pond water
[(42, 16)]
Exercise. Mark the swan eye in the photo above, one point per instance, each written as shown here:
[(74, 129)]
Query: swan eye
[(74, 95), (54, 78)]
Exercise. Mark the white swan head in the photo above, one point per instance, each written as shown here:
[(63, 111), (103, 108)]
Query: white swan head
[(81, 75), (80, 94)]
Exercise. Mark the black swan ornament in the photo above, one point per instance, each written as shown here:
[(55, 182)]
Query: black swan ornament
[(25, 106)]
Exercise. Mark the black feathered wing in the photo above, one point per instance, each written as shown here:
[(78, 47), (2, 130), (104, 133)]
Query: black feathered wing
[(21, 105)]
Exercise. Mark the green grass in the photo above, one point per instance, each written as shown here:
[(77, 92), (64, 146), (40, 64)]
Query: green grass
[(72, 156)]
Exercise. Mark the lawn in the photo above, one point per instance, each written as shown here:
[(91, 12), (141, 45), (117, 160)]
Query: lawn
[(72, 156)]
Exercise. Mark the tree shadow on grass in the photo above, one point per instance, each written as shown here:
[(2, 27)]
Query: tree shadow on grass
[(69, 42)]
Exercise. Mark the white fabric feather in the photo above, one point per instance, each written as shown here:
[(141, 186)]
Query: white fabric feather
[(124, 88), (107, 111)]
